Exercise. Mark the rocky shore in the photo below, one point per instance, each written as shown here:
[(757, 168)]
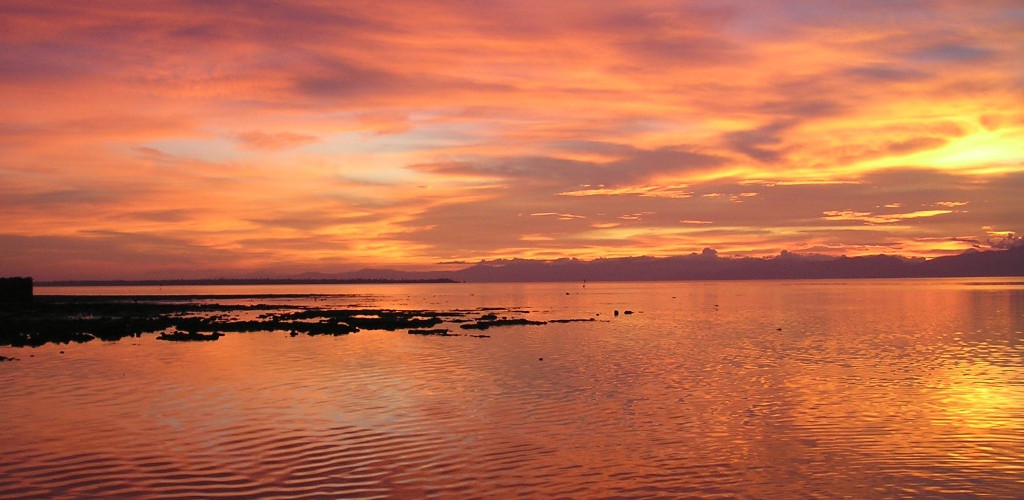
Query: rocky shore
[(66, 319)]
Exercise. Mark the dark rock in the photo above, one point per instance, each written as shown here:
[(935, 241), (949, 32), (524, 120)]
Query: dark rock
[(483, 325), (64, 319), (366, 319), (190, 336), (17, 290), (441, 332)]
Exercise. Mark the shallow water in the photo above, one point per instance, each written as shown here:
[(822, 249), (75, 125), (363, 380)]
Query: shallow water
[(785, 389)]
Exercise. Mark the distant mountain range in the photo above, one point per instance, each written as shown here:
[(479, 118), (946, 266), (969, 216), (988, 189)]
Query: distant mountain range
[(707, 265)]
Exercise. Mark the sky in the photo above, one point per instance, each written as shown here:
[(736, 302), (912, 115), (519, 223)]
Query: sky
[(182, 139)]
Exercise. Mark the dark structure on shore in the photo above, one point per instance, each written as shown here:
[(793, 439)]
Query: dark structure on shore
[(15, 289)]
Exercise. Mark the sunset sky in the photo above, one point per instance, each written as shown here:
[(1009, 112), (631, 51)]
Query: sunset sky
[(255, 138)]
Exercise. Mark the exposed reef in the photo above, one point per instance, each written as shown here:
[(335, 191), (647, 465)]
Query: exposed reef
[(484, 324), (66, 319), (189, 336), (440, 332), (444, 332), (355, 319), (81, 319)]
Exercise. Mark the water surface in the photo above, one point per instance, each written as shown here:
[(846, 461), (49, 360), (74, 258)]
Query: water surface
[(778, 389)]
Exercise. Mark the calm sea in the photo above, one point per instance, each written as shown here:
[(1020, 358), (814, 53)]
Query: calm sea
[(770, 389)]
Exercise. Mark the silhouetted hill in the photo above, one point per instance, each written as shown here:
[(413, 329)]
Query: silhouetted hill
[(1000, 263), (706, 265), (709, 266)]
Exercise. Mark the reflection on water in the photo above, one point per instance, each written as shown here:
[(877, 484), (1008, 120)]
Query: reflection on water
[(753, 389)]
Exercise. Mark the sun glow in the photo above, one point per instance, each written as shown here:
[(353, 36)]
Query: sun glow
[(983, 153)]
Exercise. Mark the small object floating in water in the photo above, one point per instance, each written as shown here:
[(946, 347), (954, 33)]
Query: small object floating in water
[(627, 311), (616, 312), (778, 329), (540, 359)]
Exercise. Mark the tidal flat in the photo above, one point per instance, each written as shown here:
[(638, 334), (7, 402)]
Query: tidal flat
[(76, 319)]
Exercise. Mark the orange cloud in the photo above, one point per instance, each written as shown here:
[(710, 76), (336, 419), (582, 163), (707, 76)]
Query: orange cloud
[(870, 218), (319, 136), (275, 141), (643, 191)]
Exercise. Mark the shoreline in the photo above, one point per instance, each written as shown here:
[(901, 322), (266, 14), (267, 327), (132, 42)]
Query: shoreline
[(238, 281), (66, 319)]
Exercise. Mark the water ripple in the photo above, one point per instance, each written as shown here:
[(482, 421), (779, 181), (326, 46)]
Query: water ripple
[(713, 391)]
